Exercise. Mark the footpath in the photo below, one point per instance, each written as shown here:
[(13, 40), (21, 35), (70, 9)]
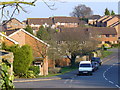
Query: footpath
[(68, 75)]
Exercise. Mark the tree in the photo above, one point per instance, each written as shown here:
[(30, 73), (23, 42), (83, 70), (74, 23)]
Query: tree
[(16, 5), (73, 43), (112, 12), (42, 33), (107, 12), (29, 29), (81, 11), (23, 58)]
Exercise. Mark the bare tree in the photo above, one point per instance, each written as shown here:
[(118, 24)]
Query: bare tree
[(81, 11), (75, 43), (16, 5)]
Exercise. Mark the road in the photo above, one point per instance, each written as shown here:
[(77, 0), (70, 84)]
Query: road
[(105, 77)]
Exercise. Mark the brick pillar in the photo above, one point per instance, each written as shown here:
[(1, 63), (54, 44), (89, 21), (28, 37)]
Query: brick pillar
[(45, 66)]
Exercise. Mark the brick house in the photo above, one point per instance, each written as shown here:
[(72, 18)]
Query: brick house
[(107, 21), (99, 21), (35, 23), (38, 46), (12, 24), (92, 19), (65, 21), (54, 22)]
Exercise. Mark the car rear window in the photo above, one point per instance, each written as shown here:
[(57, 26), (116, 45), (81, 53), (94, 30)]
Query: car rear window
[(85, 65)]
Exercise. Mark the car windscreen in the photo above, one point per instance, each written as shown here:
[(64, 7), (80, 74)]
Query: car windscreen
[(85, 65)]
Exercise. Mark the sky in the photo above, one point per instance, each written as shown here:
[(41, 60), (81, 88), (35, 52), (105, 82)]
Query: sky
[(65, 7)]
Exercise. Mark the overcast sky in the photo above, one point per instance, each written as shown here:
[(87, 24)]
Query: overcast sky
[(64, 7)]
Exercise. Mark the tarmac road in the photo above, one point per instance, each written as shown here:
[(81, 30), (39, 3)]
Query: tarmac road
[(105, 77)]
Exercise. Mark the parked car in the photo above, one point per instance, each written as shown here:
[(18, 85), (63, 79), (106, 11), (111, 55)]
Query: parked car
[(95, 66), (85, 67), (96, 59)]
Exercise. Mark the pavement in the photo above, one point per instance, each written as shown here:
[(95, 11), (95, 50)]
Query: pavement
[(68, 75)]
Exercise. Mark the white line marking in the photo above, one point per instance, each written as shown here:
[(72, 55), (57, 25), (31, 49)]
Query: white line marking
[(117, 86), (66, 81), (106, 78), (111, 82)]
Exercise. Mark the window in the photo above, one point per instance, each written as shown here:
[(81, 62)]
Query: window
[(107, 35), (113, 35)]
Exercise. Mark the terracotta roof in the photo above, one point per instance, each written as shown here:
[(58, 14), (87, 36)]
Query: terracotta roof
[(39, 21), (65, 19)]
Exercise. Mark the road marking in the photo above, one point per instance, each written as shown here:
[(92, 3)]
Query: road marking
[(66, 81), (117, 86), (111, 82), (107, 79)]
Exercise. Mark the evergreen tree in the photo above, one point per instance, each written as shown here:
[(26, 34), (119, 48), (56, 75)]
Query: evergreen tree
[(107, 12), (42, 33), (23, 58), (112, 12), (29, 29)]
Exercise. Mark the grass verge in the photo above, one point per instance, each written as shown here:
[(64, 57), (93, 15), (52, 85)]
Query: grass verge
[(63, 71), (106, 53)]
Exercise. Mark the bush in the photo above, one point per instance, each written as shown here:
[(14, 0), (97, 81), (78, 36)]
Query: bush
[(30, 74), (35, 69), (115, 45), (22, 58), (54, 70)]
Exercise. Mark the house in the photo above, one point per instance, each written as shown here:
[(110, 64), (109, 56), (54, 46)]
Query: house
[(65, 21), (92, 19), (7, 40), (54, 22), (35, 23), (107, 21), (12, 24), (98, 22), (38, 46)]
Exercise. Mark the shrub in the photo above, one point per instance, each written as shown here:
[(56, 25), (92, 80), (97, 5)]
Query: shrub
[(22, 58), (35, 69), (54, 70), (115, 45), (30, 74)]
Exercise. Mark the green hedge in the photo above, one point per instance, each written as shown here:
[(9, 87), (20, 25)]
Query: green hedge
[(35, 69), (23, 58)]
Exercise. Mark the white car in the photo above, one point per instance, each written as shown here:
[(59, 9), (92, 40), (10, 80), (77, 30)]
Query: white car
[(85, 67)]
